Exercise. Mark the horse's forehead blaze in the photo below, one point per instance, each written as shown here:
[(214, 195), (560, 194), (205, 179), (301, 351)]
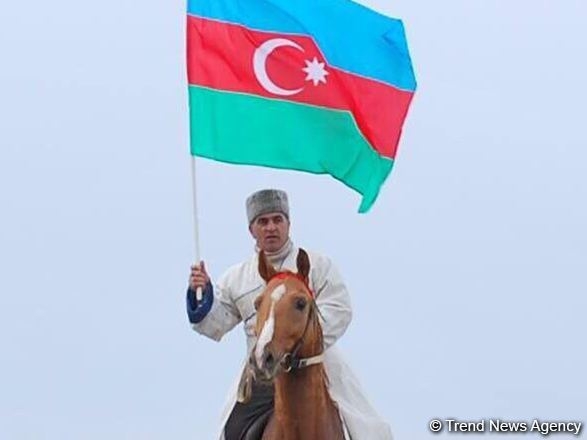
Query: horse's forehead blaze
[(266, 334), (275, 295), (278, 293)]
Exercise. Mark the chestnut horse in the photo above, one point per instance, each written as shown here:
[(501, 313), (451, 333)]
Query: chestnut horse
[(289, 352)]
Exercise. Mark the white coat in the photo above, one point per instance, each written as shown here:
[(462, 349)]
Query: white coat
[(234, 296)]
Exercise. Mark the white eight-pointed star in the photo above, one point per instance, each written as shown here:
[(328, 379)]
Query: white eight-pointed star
[(316, 71)]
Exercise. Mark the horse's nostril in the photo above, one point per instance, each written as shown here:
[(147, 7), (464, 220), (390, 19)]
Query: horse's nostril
[(269, 359)]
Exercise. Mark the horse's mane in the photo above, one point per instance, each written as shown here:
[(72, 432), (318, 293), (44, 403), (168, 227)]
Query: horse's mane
[(315, 317)]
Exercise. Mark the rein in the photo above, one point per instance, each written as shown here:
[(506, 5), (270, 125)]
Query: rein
[(291, 361)]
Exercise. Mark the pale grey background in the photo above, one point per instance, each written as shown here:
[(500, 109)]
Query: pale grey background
[(468, 277)]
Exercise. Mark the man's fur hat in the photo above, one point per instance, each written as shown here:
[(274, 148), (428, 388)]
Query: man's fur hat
[(266, 201)]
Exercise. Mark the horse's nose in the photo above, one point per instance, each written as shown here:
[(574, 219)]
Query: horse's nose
[(268, 360)]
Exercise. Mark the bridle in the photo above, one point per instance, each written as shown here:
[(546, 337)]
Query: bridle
[(290, 361)]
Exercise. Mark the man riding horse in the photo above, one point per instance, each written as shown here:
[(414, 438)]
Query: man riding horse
[(231, 300)]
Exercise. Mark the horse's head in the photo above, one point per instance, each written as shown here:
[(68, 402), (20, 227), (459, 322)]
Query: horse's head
[(287, 321)]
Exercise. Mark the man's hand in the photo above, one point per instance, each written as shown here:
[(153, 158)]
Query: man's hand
[(198, 276)]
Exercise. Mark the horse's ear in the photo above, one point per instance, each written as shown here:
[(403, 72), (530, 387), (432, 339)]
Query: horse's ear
[(266, 270), (303, 263)]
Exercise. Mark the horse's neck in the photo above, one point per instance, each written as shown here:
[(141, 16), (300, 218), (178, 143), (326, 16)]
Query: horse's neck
[(299, 393), (303, 407), (302, 404)]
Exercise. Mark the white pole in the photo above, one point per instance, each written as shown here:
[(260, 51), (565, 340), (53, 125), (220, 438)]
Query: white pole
[(196, 235)]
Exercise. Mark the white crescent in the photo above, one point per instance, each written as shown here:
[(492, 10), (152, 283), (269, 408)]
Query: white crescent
[(260, 65)]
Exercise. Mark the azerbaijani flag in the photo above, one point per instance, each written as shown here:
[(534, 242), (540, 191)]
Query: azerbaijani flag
[(321, 86)]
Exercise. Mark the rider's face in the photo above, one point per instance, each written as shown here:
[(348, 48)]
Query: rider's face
[(271, 231)]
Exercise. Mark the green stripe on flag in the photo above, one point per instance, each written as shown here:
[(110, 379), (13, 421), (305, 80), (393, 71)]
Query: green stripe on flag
[(246, 129)]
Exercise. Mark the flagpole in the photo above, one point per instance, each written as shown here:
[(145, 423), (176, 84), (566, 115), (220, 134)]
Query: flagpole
[(196, 234)]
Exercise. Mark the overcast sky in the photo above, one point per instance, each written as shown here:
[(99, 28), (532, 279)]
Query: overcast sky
[(467, 277)]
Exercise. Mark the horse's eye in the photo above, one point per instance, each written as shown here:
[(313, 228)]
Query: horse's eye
[(258, 302), (301, 304)]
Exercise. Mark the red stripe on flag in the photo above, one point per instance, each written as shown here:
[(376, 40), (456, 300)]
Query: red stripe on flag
[(221, 56)]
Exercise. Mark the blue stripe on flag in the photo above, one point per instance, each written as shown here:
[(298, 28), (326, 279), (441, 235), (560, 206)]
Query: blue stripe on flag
[(351, 37)]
